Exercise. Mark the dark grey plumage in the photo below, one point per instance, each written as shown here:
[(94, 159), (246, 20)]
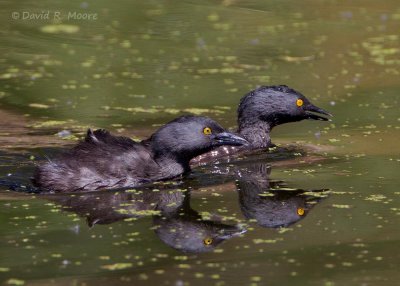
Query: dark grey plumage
[(260, 111), (106, 161)]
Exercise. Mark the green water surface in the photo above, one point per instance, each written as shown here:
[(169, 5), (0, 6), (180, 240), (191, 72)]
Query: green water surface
[(137, 64)]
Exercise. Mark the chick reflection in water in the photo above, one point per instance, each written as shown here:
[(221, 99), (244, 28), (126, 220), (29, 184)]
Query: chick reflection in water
[(174, 221), (269, 202), (185, 230)]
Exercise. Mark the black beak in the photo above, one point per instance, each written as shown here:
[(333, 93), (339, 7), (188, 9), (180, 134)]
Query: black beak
[(312, 108), (226, 138)]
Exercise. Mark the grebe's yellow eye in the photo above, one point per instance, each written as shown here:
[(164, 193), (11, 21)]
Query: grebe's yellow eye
[(207, 131), (299, 102), (300, 211), (207, 241)]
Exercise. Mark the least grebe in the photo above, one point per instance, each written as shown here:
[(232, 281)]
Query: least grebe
[(104, 161), (260, 111)]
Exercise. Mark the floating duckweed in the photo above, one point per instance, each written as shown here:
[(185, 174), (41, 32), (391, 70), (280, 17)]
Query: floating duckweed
[(14, 281), (7, 76), (49, 123), (284, 229), (383, 49), (171, 110), (255, 278), (69, 137), (137, 109), (267, 241), (60, 28), (297, 59), (38, 105), (133, 234), (117, 266), (126, 44), (139, 212), (359, 245), (222, 26), (198, 275), (146, 37), (286, 189), (347, 264), (225, 70), (156, 109), (216, 195), (266, 194), (341, 206), (375, 198), (205, 215), (315, 194), (397, 210), (213, 17), (200, 111)]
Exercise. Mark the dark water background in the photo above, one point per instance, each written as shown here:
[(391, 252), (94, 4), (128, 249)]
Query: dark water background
[(141, 63)]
